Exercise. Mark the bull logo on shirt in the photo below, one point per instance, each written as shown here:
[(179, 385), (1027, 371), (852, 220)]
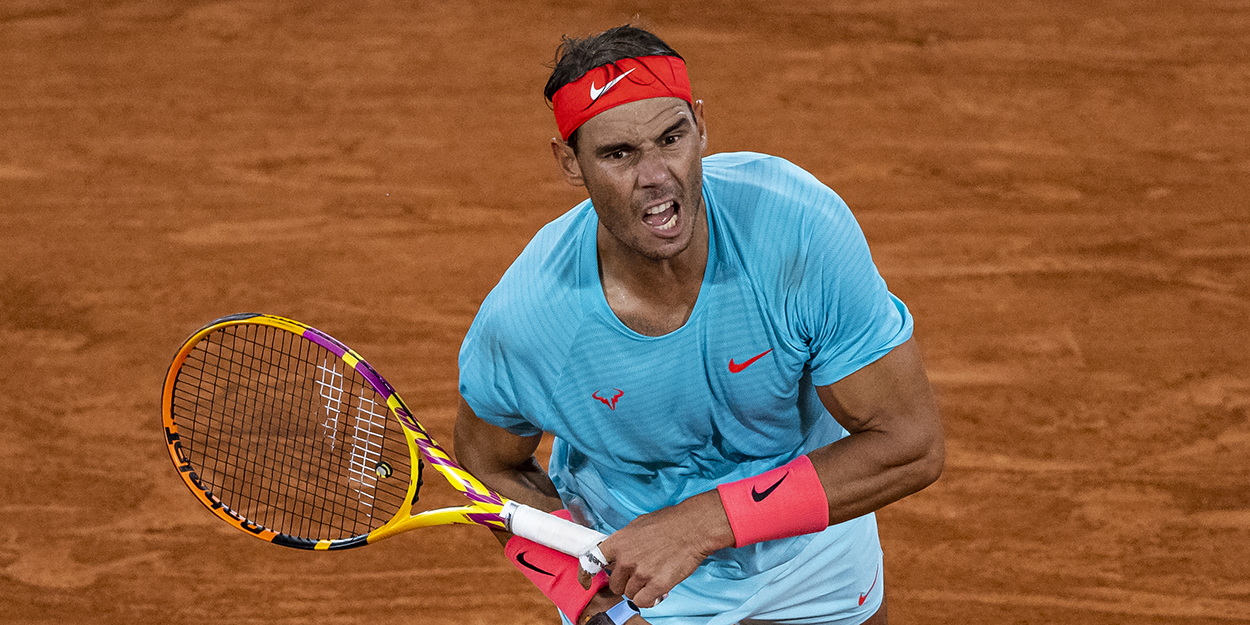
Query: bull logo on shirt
[(610, 403)]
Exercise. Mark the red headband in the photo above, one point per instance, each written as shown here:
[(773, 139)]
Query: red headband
[(627, 80)]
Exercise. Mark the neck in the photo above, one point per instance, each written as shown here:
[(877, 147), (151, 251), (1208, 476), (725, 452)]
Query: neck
[(653, 296)]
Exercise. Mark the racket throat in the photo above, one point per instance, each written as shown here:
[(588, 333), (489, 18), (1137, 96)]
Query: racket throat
[(416, 492)]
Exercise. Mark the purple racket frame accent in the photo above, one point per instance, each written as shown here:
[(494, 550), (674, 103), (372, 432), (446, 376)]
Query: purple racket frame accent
[(424, 441), (536, 526)]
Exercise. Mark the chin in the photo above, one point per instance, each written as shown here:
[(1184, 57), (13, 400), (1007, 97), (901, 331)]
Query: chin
[(665, 251)]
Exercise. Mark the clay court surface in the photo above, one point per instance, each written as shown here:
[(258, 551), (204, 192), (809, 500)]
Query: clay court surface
[(1057, 190)]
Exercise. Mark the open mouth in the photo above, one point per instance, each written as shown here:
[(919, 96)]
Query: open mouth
[(662, 218)]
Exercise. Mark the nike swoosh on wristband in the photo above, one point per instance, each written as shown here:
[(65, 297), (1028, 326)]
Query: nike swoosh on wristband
[(758, 496), (595, 93), (520, 557), (863, 596), (735, 367)]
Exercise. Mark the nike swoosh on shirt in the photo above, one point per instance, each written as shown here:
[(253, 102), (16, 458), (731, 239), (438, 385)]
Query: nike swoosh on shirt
[(595, 93), (735, 367), (520, 557), (758, 496), (863, 596)]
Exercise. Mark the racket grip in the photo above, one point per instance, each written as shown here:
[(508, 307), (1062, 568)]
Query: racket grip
[(552, 531)]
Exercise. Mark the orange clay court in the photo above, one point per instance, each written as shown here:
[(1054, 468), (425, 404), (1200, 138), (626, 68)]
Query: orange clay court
[(1058, 190)]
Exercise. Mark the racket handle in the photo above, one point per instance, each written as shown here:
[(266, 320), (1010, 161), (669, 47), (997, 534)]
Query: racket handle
[(552, 531)]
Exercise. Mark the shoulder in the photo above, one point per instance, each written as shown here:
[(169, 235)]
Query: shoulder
[(765, 202), (553, 246), (746, 183), (763, 171), (541, 286)]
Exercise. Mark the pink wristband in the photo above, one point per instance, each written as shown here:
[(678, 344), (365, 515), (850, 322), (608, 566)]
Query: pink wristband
[(787, 501), (554, 573)]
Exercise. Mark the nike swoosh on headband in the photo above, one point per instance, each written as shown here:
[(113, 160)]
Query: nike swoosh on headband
[(595, 93)]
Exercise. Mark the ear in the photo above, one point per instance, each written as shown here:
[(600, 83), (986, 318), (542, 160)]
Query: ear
[(566, 159), (698, 120)]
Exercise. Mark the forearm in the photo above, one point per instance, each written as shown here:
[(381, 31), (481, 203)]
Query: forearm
[(503, 461), (856, 475), (525, 483), (852, 477), (529, 486), (895, 446), (869, 470)]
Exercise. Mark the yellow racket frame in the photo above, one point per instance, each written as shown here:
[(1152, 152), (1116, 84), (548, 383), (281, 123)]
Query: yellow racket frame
[(487, 508)]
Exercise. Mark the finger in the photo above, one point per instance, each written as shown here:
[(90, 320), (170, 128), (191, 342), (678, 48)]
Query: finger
[(649, 595), (592, 561), (618, 581), (636, 590)]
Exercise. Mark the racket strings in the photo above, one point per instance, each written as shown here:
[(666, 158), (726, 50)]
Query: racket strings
[(288, 436)]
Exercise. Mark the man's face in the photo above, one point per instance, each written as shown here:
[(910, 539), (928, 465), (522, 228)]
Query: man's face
[(641, 163)]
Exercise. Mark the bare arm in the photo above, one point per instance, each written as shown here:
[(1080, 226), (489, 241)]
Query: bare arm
[(895, 448), (503, 461)]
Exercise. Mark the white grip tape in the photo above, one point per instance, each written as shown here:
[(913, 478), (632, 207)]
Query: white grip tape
[(592, 560), (552, 531)]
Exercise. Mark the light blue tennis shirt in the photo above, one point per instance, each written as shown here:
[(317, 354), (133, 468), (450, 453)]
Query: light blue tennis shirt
[(790, 299)]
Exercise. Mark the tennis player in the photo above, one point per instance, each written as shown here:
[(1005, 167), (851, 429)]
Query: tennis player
[(731, 387)]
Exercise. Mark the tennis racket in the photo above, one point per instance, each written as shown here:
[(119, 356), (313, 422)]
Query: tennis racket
[(290, 436)]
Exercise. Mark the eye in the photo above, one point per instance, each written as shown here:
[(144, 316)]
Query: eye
[(617, 155), (672, 139)]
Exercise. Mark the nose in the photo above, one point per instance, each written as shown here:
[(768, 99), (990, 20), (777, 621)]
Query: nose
[(653, 168)]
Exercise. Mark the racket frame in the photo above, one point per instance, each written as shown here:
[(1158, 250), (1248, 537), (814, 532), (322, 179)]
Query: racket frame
[(488, 508)]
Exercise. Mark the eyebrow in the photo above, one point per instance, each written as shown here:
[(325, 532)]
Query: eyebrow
[(624, 145)]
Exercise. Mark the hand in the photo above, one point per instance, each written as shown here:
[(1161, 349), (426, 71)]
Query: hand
[(656, 551)]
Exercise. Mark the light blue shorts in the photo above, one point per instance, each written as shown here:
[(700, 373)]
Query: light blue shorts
[(837, 579)]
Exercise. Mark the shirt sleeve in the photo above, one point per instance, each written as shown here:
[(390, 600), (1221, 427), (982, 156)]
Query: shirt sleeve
[(847, 316), (488, 379)]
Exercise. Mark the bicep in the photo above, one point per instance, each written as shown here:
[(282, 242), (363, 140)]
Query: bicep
[(890, 396), (483, 448)]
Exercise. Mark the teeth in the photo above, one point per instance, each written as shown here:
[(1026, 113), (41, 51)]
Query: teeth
[(672, 221), (655, 210)]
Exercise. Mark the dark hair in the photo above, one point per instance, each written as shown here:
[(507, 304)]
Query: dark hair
[(575, 56)]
